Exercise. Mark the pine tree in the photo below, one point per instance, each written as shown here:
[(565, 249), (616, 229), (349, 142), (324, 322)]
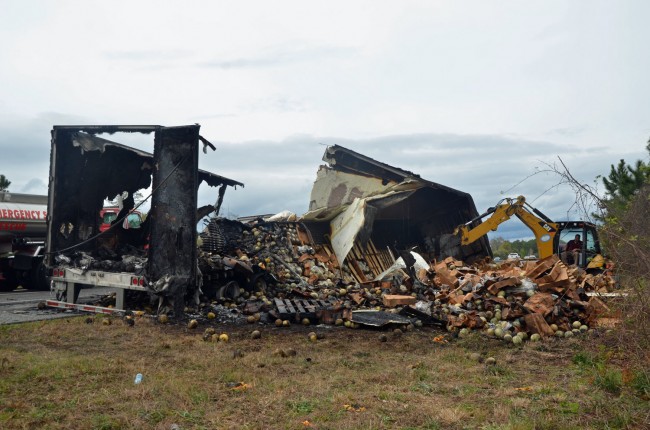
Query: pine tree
[(4, 183), (624, 181)]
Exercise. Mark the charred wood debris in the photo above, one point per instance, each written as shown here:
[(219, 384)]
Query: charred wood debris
[(274, 272)]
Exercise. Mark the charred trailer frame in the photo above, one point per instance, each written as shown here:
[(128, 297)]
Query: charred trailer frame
[(173, 211), (86, 169)]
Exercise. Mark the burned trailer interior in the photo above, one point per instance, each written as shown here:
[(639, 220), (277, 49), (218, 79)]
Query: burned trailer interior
[(86, 170), (356, 198)]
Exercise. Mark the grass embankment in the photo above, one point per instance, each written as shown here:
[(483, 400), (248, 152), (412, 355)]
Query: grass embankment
[(70, 374)]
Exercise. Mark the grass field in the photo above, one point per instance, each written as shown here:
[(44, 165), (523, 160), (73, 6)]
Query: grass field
[(70, 374)]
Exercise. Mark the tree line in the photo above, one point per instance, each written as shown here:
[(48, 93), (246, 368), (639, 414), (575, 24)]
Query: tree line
[(501, 247)]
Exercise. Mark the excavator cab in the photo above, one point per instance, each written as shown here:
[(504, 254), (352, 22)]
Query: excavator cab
[(590, 255)]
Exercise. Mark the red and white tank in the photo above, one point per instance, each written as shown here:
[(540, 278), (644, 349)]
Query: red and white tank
[(21, 215)]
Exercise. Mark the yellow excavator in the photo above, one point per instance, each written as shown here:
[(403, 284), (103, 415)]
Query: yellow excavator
[(551, 237)]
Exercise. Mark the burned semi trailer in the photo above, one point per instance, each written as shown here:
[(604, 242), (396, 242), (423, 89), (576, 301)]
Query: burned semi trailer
[(159, 257)]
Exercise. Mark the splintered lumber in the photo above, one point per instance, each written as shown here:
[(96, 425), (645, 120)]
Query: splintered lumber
[(392, 300), (381, 261), (537, 324)]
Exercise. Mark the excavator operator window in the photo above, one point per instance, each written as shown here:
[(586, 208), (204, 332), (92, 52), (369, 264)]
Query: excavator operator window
[(587, 236)]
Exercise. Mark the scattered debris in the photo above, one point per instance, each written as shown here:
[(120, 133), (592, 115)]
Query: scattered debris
[(368, 253), (238, 386), (354, 408)]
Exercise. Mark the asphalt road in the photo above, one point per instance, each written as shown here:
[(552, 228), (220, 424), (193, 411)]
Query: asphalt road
[(21, 305)]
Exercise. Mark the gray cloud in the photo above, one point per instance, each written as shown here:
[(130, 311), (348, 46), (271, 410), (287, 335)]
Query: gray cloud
[(25, 148), (147, 55), (280, 56), (34, 186), (150, 60), (278, 175)]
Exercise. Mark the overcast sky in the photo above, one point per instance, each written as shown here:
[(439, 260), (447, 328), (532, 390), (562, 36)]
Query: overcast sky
[(475, 95)]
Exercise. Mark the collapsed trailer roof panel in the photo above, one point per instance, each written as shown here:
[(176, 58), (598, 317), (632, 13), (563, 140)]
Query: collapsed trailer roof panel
[(355, 193), (88, 142), (351, 175), (345, 159)]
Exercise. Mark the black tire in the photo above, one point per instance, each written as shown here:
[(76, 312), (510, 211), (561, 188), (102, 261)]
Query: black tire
[(6, 286), (9, 283), (38, 279)]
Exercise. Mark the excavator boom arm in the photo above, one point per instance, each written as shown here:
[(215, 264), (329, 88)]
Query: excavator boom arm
[(543, 230), (541, 226), (499, 214)]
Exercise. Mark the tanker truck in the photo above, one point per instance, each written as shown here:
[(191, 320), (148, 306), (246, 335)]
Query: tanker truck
[(22, 241)]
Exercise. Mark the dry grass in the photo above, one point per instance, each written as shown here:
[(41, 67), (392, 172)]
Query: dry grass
[(627, 236), (68, 374)]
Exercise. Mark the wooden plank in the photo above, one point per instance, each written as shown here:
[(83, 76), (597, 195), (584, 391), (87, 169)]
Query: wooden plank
[(392, 257), (355, 275), (386, 258), (355, 252), (298, 306), (383, 257), (375, 258), (375, 255), (372, 262), (290, 308), (280, 305), (362, 257), (303, 236), (332, 257), (354, 268), (371, 267), (308, 306), (371, 247)]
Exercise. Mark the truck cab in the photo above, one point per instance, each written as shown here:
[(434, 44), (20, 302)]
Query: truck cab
[(109, 214)]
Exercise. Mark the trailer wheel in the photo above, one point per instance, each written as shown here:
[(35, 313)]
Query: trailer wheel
[(230, 291), (6, 286), (38, 278), (8, 282)]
